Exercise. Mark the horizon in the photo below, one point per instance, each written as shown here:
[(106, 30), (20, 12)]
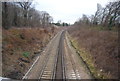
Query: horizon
[(68, 14)]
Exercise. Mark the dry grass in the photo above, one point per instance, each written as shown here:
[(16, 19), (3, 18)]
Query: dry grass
[(20, 46), (102, 47)]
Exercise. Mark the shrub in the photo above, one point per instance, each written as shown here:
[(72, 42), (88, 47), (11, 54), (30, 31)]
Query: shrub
[(26, 54)]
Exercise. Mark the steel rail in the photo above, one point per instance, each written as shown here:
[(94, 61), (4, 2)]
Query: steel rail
[(71, 59), (46, 60)]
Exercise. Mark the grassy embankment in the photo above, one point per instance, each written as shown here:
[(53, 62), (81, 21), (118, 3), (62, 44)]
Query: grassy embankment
[(98, 48)]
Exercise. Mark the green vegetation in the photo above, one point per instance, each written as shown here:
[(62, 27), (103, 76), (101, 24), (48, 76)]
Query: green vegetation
[(26, 54)]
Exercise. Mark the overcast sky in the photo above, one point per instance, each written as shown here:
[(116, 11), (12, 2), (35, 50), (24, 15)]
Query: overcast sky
[(68, 10)]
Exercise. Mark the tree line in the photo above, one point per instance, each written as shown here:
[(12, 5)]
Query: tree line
[(59, 23), (108, 16), (23, 14)]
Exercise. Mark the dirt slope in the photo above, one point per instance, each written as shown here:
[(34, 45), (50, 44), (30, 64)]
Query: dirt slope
[(20, 47)]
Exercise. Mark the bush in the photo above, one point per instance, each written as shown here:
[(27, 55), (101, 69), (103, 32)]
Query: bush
[(26, 54)]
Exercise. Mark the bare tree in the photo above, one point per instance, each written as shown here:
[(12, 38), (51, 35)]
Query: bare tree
[(113, 13), (46, 19), (25, 6), (98, 14), (5, 15), (107, 17), (22, 14)]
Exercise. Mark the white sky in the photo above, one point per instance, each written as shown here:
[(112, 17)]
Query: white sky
[(68, 10)]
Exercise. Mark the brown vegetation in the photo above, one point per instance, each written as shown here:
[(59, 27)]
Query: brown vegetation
[(102, 47), (20, 47)]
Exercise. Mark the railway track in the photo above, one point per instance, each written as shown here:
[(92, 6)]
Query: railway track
[(53, 63), (71, 69), (56, 62), (52, 68), (60, 67), (79, 69), (43, 67)]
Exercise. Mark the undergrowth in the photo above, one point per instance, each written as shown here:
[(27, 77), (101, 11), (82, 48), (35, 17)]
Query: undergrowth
[(99, 48), (87, 58), (20, 46)]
